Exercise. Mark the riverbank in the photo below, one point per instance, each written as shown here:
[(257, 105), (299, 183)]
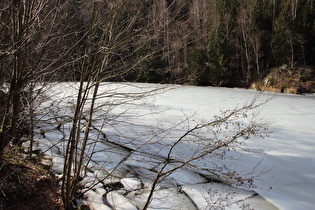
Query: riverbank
[(27, 183)]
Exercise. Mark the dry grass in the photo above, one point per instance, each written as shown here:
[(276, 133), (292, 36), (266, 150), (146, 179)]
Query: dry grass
[(289, 80)]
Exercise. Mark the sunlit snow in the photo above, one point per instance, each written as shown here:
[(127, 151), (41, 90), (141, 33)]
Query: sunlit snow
[(284, 160)]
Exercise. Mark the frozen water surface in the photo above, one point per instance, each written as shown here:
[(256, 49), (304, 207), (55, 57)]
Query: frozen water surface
[(146, 127)]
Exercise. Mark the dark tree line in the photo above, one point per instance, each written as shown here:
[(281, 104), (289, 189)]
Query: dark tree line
[(226, 42), (208, 42), (203, 42)]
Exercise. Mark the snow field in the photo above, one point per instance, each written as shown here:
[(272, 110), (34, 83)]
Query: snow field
[(146, 126)]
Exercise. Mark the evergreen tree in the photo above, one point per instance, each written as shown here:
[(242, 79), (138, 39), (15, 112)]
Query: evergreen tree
[(282, 39), (217, 61)]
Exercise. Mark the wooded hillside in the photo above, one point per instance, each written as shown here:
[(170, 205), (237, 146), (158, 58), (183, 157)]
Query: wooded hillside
[(201, 42)]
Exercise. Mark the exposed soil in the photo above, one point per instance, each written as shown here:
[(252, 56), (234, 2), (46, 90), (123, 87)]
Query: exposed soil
[(295, 80), (26, 184)]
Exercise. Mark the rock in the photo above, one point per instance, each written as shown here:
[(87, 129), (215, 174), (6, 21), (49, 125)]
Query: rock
[(288, 80)]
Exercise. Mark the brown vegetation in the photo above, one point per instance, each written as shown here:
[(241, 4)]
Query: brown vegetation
[(27, 184), (295, 80)]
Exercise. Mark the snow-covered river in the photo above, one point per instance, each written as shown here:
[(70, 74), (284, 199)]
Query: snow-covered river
[(284, 161)]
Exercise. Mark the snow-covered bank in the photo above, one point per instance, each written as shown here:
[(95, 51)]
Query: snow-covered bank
[(287, 152)]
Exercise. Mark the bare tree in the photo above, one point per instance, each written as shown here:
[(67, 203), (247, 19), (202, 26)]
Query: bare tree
[(246, 24), (108, 44), (240, 124), (30, 29)]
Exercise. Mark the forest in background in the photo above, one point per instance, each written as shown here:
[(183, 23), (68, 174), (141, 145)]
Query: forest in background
[(198, 42), (224, 43), (221, 43)]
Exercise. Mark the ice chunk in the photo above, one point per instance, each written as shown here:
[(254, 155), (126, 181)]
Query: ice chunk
[(119, 201), (131, 183)]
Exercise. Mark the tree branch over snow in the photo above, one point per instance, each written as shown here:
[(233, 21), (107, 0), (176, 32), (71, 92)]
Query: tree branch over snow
[(240, 123)]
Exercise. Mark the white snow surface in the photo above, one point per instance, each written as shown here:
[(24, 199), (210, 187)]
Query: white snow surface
[(219, 194), (287, 155)]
